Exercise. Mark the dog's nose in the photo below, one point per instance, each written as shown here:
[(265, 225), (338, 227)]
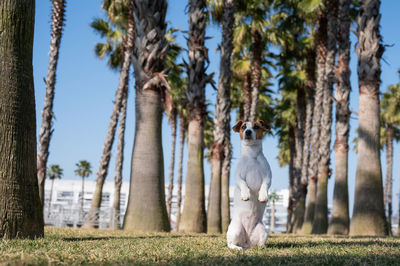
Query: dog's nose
[(248, 132)]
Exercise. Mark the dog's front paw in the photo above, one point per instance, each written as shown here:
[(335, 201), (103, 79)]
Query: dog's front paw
[(262, 196), (245, 195)]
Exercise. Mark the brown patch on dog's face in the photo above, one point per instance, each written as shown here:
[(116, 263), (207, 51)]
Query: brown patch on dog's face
[(240, 127), (260, 128)]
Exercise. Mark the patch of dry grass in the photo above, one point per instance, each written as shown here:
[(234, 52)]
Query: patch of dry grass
[(79, 246)]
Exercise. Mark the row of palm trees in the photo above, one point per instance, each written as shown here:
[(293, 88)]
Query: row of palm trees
[(313, 42)]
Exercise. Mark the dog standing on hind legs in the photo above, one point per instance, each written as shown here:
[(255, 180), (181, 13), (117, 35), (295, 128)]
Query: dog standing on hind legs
[(253, 179)]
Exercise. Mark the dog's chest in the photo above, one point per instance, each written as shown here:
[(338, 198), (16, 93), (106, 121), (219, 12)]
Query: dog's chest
[(253, 172)]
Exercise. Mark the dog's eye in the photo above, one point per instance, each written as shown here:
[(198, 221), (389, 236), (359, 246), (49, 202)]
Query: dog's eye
[(256, 127), (244, 127)]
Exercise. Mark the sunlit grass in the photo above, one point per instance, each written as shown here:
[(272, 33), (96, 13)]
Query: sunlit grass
[(78, 246)]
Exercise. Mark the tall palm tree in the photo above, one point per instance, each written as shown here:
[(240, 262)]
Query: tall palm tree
[(146, 209), (339, 222), (273, 197), (222, 123), (84, 170), (182, 135), (127, 47), (194, 215), (174, 98), (57, 20), (390, 115), (320, 222), (21, 213), (368, 211), (54, 173), (321, 51)]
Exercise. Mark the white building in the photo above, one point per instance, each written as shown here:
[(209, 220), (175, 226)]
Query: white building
[(66, 204)]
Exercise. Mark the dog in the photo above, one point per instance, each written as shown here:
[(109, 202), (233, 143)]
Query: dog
[(253, 179)]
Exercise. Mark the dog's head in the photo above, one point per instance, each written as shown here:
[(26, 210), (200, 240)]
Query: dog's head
[(251, 131)]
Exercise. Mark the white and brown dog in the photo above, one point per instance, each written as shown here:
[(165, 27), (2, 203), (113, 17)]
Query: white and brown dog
[(253, 179)]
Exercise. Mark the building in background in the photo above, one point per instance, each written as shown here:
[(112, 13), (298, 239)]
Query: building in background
[(65, 207)]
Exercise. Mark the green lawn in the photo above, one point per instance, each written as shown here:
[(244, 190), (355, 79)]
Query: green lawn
[(75, 246)]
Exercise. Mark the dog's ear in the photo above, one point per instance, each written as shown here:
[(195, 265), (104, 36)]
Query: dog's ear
[(264, 126), (236, 127)]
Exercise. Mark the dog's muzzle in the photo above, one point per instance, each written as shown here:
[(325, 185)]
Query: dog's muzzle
[(247, 134)]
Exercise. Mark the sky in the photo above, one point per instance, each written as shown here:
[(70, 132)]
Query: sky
[(85, 91)]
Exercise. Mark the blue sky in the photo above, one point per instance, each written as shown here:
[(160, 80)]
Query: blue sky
[(85, 90)]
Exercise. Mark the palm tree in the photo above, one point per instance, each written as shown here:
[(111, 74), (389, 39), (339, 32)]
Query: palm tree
[(222, 123), (321, 51), (194, 215), (320, 222), (273, 197), (84, 170), (20, 206), (368, 212), (174, 99), (146, 209), (92, 217), (339, 222), (55, 172), (390, 115), (182, 135), (58, 19)]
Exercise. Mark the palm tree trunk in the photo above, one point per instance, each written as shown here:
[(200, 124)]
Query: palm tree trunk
[(93, 215), (51, 197), (82, 198), (21, 211), (339, 223), (310, 83), (256, 72), (368, 212), (292, 147), (389, 172), (58, 18), (321, 51), (246, 97), (299, 188), (119, 160), (222, 123), (320, 222), (194, 214), (182, 131), (171, 166), (311, 201), (146, 209), (225, 199)]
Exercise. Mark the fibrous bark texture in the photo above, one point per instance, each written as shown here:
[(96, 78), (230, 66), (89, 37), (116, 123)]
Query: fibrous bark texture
[(389, 173), (119, 162), (182, 132), (194, 214), (21, 213), (221, 123), (368, 212), (173, 121), (93, 216), (321, 51), (146, 209), (299, 189), (257, 49), (339, 222), (57, 18), (320, 222)]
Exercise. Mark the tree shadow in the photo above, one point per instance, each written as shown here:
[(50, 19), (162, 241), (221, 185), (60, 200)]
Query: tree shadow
[(100, 238)]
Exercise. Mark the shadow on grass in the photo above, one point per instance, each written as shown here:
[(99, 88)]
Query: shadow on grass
[(100, 238), (243, 259), (281, 245)]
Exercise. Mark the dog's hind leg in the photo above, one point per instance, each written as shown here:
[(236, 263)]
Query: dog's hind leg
[(235, 236), (258, 235)]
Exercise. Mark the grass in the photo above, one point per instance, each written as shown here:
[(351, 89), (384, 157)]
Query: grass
[(78, 246)]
